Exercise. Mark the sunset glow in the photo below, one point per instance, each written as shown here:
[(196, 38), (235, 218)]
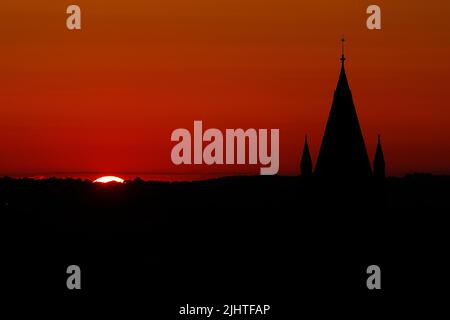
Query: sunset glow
[(136, 72), (107, 179)]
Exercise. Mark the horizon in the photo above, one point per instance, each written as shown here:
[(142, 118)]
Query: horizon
[(170, 177)]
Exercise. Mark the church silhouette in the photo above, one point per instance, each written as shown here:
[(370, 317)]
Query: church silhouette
[(343, 152)]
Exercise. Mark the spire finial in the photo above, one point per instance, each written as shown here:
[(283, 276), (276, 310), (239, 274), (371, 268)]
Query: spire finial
[(306, 138), (379, 138), (343, 41)]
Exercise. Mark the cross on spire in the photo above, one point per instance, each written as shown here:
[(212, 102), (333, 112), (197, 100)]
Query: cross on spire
[(343, 57)]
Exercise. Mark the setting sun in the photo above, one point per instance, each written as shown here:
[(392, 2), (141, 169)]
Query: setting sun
[(107, 179)]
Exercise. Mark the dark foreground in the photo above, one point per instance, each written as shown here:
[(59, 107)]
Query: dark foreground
[(299, 245)]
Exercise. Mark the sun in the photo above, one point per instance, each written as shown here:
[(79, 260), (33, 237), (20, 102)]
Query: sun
[(107, 179)]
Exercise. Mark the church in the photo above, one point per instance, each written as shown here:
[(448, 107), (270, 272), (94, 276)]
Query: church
[(343, 153)]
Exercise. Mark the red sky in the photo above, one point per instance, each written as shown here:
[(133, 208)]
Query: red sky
[(106, 98)]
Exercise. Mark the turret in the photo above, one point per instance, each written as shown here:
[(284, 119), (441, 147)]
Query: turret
[(306, 163), (379, 166)]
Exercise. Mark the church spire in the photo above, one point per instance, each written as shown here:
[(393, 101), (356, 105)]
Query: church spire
[(379, 165), (306, 163), (343, 152)]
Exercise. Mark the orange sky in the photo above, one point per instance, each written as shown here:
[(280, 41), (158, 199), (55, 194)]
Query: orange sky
[(106, 98)]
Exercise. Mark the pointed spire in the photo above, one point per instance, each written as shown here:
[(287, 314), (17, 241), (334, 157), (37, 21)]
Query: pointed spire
[(306, 163), (379, 165), (343, 152)]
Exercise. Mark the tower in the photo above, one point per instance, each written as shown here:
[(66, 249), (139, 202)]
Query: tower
[(306, 163), (343, 152), (379, 166)]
